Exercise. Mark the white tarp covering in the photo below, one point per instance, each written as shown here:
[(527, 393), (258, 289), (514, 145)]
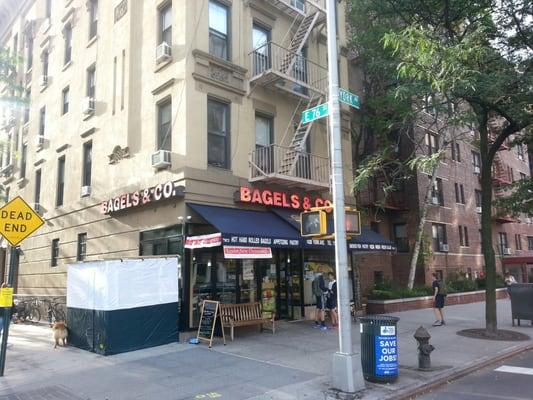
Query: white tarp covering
[(117, 285)]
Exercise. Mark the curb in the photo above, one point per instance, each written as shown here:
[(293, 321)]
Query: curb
[(456, 373)]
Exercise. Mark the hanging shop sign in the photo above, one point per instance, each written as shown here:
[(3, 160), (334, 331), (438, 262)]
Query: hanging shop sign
[(199, 242), (247, 252), (142, 197), (275, 198)]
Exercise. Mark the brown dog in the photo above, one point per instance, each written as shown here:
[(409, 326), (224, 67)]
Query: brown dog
[(60, 333)]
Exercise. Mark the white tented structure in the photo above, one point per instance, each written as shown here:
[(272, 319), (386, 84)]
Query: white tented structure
[(114, 306)]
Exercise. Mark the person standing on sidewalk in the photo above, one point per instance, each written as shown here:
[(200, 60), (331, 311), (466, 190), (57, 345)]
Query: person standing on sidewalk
[(509, 280), (319, 291), (331, 303), (439, 295)]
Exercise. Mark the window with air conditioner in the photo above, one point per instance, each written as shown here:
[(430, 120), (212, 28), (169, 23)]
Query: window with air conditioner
[(164, 125), (476, 162), (161, 159)]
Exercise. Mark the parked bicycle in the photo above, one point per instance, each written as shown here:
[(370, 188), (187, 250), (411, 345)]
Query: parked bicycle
[(55, 310), (26, 310)]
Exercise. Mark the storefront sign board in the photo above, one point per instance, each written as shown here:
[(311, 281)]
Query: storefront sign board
[(247, 252), (208, 320), (273, 198), (203, 241), (18, 221), (142, 197)]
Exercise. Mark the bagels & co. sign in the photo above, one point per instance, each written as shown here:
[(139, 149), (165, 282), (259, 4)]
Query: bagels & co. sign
[(274, 198), (142, 197)]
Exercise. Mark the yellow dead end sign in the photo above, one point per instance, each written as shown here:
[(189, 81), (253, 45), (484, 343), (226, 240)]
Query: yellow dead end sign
[(18, 221)]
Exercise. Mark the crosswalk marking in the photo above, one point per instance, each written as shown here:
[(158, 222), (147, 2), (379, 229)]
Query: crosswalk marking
[(515, 370)]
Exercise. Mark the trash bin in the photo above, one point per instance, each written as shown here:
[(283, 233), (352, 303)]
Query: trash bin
[(379, 348)]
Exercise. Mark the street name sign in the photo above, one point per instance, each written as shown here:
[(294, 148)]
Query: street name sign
[(18, 221), (314, 113), (349, 98)]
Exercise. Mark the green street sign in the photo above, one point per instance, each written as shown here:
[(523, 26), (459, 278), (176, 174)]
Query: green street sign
[(317, 112), (349, 98)]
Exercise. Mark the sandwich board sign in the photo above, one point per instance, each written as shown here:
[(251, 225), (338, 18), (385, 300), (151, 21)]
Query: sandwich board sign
[(208, 321), (18, 221)]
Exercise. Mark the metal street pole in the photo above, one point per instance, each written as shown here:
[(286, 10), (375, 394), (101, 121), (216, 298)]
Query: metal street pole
[(347, 374), (13, 264)]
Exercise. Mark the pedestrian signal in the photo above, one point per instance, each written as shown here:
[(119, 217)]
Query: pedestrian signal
[(313, 223), (352, 222)]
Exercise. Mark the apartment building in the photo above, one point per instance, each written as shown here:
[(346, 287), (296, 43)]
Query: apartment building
[(451, 244), (173, 127)]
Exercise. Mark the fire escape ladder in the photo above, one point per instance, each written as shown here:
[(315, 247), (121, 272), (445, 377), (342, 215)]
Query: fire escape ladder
[(299, 40), (296, 147)]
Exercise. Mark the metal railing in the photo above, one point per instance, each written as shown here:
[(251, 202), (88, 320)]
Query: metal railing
[(272, 161), (272, 57)]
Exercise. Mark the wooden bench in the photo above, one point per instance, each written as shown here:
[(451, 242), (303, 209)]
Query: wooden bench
[(245, 314)]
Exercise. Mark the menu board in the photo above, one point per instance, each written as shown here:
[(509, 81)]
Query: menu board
[(208, 320)]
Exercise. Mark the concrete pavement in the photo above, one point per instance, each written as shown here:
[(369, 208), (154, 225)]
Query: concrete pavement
[(293, 364)]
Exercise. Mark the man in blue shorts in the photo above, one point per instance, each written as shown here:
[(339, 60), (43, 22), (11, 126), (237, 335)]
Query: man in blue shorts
[(439, 295), (319, 291)]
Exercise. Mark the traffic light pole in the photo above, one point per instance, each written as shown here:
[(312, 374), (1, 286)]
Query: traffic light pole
[(347, 374), (13, 265)]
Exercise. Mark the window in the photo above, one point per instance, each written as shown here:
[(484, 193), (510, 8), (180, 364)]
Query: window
[(161, 241), (463, 236), (29, 54), (93, 18), (400, 238), (522, 176), (218, 134), (164, 126), (45, 58), (530, 242), (60, 181), (478, 198), (476, 161), (520, 151), (456, 151), (263, 140), (502, 242), (55, 252), (65, 100), (23, 159), (42, 121), (37, 197), (261, 47), (48, 9), (15, 44), (91, 81), (165, 24), (432, 143), (436, 193), (518, 241), (459, 193), (27, 107), (379, 278), (440, 274), (87, 163), (218, 29), (82, 247), (299, 4), (439, 236), (67, 34)]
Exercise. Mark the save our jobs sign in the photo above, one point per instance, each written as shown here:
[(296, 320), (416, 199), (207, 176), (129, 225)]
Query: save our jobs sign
[(386, 350), (18, 221)]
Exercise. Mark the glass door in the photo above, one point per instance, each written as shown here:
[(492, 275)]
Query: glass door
[(283, 292), (226, 288)]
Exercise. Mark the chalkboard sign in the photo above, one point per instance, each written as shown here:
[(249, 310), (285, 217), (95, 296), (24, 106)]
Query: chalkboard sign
[(208, 320)]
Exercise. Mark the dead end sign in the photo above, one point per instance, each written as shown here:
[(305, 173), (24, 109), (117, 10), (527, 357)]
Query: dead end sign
[(18, 221)]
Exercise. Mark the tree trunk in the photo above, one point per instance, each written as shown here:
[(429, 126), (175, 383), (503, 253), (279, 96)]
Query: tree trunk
[(491, 323), (420, 229)]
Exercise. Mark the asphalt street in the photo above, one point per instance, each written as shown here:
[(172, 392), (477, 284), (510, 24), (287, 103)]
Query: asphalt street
[(511, 379)]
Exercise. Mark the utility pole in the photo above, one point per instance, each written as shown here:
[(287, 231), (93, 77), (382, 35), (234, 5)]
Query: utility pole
[(347, 373)]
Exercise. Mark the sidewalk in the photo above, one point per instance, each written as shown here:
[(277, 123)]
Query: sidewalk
[(292, 364)]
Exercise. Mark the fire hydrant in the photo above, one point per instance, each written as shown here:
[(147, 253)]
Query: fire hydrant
[(422, 336)]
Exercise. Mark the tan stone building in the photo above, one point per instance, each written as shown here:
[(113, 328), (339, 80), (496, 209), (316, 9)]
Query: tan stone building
[(143, 112)]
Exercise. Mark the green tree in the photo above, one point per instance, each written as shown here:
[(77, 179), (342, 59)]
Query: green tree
[(476, 55)]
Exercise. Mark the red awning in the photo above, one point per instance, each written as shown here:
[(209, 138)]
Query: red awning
[(525, 258)]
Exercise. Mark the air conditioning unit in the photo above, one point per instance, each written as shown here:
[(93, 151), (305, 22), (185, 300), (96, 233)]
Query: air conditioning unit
[(478, 210), (38, 208), (435, 200), (39, 141), (44, 80), (87, 105), (161, 159), (477, 170), (444, 247), (506, 251), (527, 220), (162, 53), (85, 191)]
